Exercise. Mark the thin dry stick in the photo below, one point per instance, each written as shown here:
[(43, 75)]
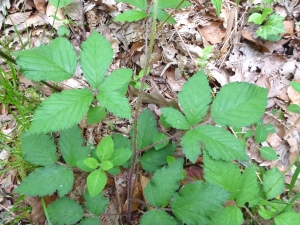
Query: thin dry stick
[(252, 216)]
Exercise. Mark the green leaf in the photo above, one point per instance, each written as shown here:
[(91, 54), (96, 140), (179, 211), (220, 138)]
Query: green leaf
[(81, 165), (195, 201), (268, 153), (63, 31), (96, 181), (159, 137), (141, 4), (175, 118), (61, 111), (146, 129), (91, 220), (162, 15), (157, 217), (195, 97), (217, 4), (239, 104), (273, 183), (106, 165), (115, 103), (271, 128), (258, 18), (60, 3), (116, 80), (38, 149), (261, 134), (96, 114), (294, 108), (96, 205), (288, 218), (70, 145), (166, 4), (65, 211), (120, 156), (272, 29), (105, 148), (191, 145), (96, 57), (46, 180), (153, 159), (56, 61), (230, 215), (295, 85), (221, 144), (130, 16), (164, 183), (91, 163)]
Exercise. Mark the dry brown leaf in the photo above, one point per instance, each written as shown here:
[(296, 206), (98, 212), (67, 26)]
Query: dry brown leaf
[(17, 18), (50, 12), (41, 6), (175, 84), (213, 33), (293, 95), (274, 140)]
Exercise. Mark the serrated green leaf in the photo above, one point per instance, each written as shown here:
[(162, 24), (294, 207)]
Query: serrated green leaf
[(175, 118), (294, 108), (196, 201), (65, 211), (60, 3), (230, 215), (195, 97), (268, 153), (105, 148), (91, 220), (106, 165), (46, 180), (95, 58), (130, 16), (96, 181), (38, 149), (273, 183), (295, 85), (146, 129), (91, 163), (95, 205), (239, 104), (116, 80), (115, 103), (153, 159), (191, 145), (56, 61), (267, 212), (288, 218), (70, 145), (261, 134), (61, 111), (81, 165), (162, 15), (95, 114), (120, 156), (157, 217), (164, 183), (225, 174), (217, 4), (141, 4), (221, 144), (159, 137), (272, 29), (166, 4)]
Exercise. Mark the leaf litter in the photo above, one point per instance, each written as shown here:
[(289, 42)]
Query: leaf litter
[(271, 65)]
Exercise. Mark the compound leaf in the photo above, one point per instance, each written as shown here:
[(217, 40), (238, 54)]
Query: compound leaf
[(175, 118), (287, 218), (164, 183), (272, 29), (70, 145), (96, 205), (157, 217), (239, 104), (96, 181), (141, 4), (96, 57), (38, 149), (65, 211), (195, 97), (191, 145), (46, 180), (96, 114), (273, 183), (61, 111), (130, 16), (196, 201), (230, 215), (115, 103), (56, 61), (221, 144), (105, 148)]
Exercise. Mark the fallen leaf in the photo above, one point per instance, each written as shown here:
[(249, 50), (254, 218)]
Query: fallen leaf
[(213, 33)]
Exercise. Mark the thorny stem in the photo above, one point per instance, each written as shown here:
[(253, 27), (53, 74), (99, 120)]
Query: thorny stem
[(136, 113)]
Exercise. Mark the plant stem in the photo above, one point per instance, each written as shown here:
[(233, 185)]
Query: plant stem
[(46, 211)]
